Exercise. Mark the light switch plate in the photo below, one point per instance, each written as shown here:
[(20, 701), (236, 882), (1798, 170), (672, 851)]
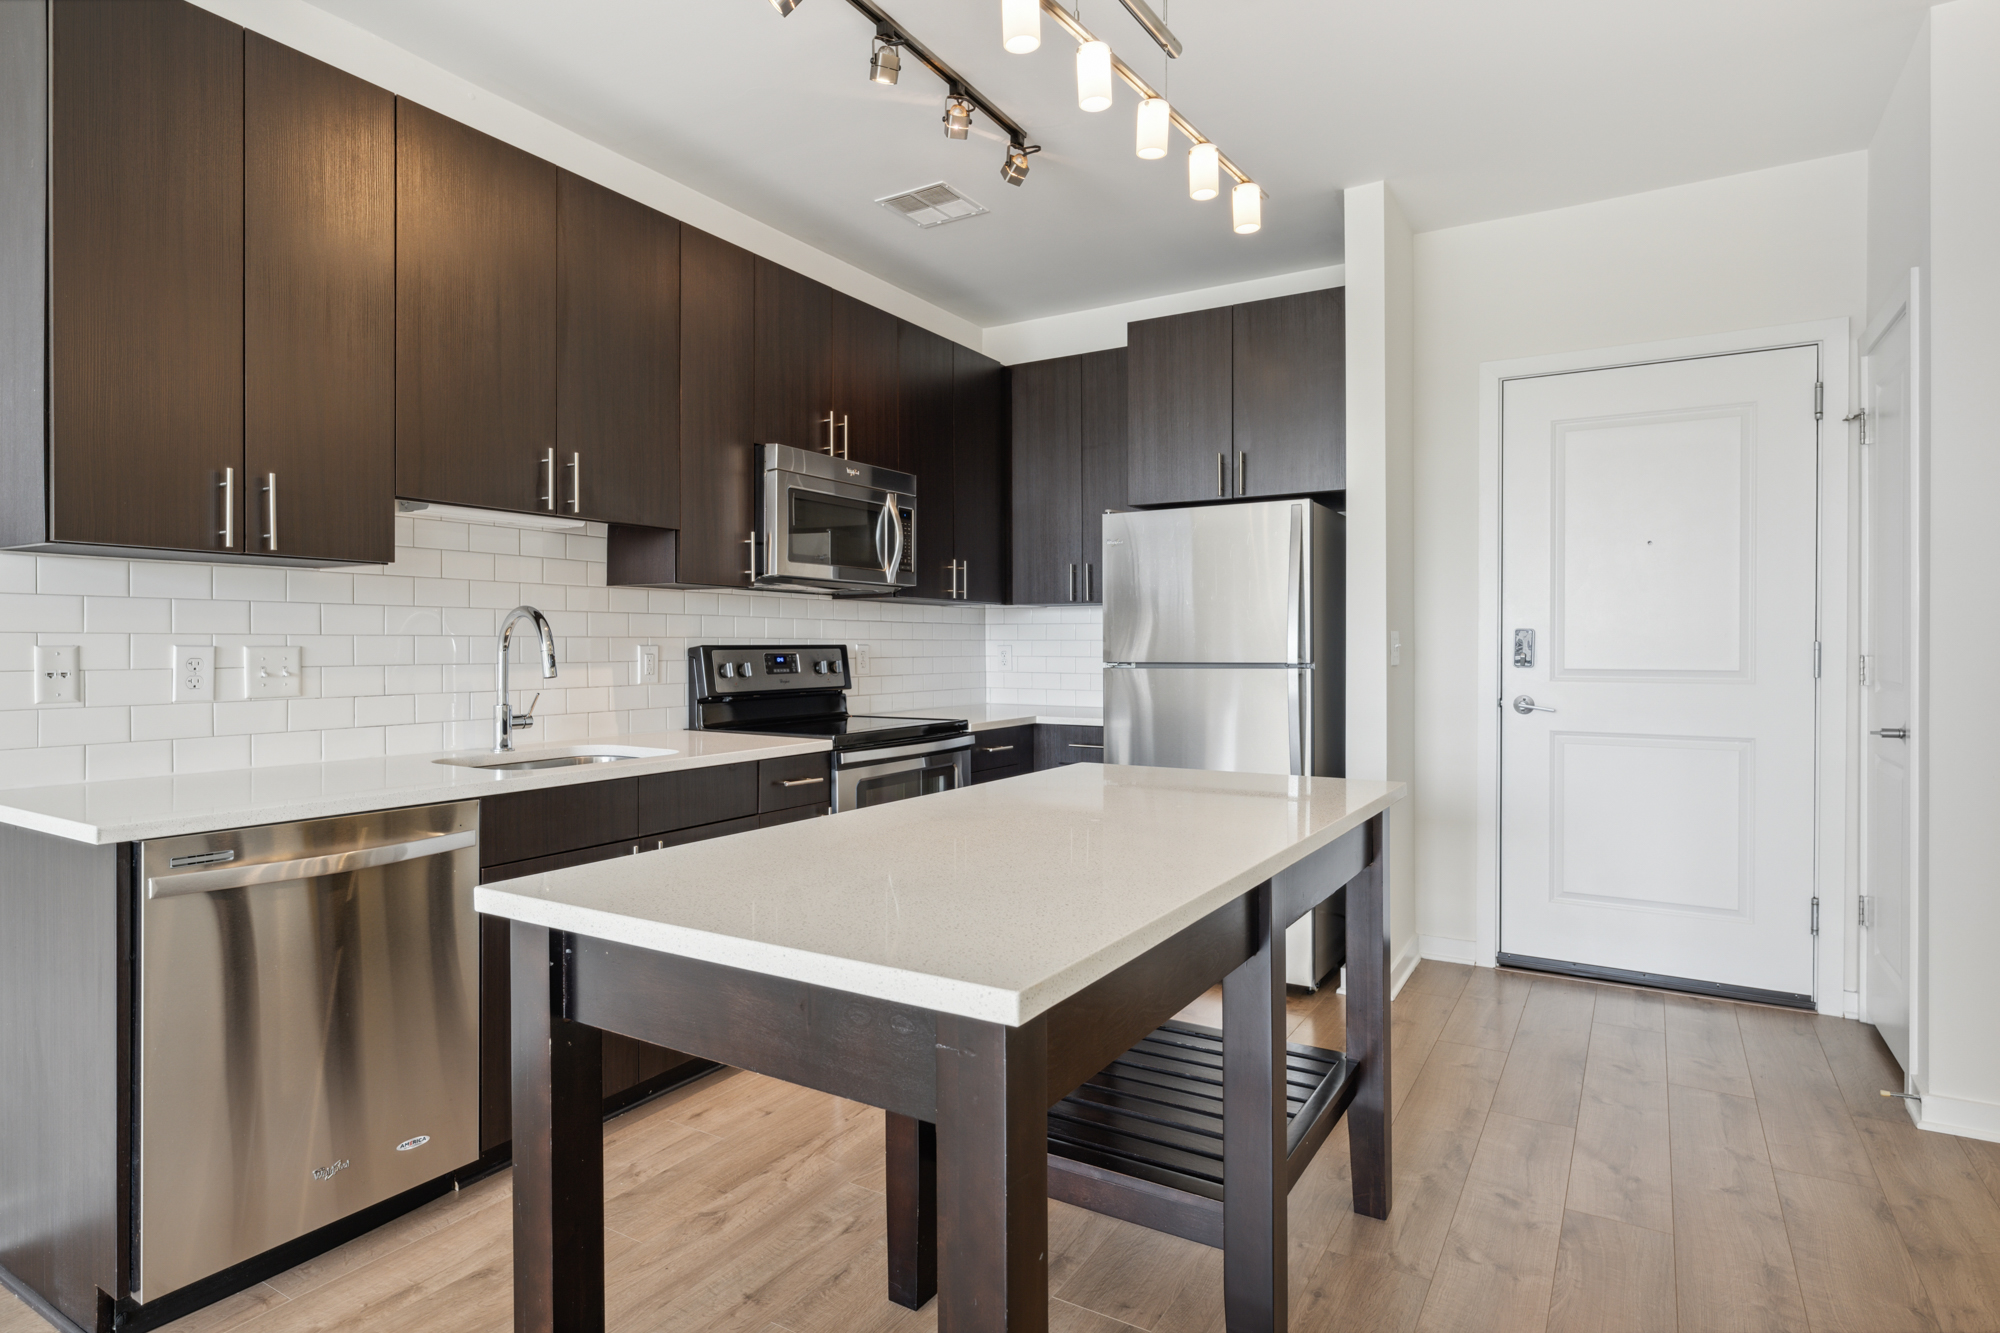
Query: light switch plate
[(272, 673), (649, 664), (57, 681), (194, 673)]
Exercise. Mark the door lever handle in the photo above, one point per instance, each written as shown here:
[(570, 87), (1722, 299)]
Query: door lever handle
[(1525, 704), (1892, 733)]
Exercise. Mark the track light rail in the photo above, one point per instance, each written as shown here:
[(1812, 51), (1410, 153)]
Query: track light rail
[(1138, 85), (887, 27)]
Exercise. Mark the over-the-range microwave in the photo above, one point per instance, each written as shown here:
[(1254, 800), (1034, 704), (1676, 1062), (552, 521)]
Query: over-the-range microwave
[(828, 524)]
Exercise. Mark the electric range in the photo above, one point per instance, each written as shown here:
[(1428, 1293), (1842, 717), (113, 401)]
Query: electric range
[(802, 691)]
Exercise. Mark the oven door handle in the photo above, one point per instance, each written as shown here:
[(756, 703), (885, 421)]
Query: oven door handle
[(307, 867), (852, 759)]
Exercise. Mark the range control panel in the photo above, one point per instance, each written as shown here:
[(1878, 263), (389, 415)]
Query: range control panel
[(720, 671)]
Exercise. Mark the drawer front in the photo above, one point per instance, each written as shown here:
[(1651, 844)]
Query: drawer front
[(1057, 745), (995, 774), (526, 825), (1003, 747), (802, 779), (671, 801), (792, 815)]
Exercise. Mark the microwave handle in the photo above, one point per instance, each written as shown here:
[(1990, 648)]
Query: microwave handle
[(896, 522)]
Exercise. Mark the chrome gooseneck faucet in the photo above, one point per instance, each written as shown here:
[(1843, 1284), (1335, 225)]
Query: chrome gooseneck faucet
[(505, 721)]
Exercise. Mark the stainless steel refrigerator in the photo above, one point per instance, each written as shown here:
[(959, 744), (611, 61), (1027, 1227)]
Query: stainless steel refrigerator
[(1224, 638)]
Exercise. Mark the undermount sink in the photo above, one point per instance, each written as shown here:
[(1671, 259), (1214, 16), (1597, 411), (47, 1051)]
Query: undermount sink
[(521, 761)]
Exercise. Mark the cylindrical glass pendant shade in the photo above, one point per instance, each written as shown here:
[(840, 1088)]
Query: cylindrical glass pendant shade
[(1246, 206), (1204, 171), (1020, 25), (1093, 76), (1154, 122)]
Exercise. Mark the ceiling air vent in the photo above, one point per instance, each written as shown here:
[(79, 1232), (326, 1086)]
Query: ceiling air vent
[(933, 205)]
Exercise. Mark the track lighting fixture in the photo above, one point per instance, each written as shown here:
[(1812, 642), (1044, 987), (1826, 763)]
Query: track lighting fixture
[(1204, 172), (886, 63), (1154, 120), (1246, 208), (1093, 75), (1020, 25), (957, 117), (785, 7), (1014, 169)]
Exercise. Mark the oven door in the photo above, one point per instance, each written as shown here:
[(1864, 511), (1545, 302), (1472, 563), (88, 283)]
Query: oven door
[(820, 532), (875, 777)]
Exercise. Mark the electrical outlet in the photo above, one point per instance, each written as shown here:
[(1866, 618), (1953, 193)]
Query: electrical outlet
[(649, 664), (272, 673), (57, 681), (860, 659), (1006, 651), (194, 673)]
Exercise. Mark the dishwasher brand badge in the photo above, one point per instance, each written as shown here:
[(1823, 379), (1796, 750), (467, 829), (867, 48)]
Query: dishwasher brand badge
[(408, 1144), (329, 1172)]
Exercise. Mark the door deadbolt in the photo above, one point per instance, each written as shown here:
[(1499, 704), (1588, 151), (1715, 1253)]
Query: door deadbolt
[(1524, 647)]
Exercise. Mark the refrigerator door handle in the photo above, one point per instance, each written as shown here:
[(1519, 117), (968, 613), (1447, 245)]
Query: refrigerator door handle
[(1298, 708), (1296, 590)]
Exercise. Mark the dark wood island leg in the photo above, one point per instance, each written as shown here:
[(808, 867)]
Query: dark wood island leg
[(993, 1176), (1254, 1242), (558, 1148), (911, 1170), (1368, 1025)]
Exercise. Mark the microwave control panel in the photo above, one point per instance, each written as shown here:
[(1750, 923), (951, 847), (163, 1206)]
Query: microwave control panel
[(717, 672)]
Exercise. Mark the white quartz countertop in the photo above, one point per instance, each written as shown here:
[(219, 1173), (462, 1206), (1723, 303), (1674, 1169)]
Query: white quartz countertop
[(133, 809), (987, 717), (994, 902)]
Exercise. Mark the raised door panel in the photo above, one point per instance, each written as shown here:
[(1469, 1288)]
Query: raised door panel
[(1105, 461), (718, 361), (146, 273), (925, 390), (618, 280), (475, 316), (1179, 391), (866, 375), (979, 475), (1048, 482), (319, 308), (794, 358), (1291, 393)]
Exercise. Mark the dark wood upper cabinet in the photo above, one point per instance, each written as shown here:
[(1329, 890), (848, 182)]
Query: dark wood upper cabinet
[(1048, 482), (1291, 393), (1181, 384), (145, 276), (718, 375), (618, 308), (475, 317), (794, 359), (866, 384), (979, 475), (1102, 404), (319, 308), (925, 377)]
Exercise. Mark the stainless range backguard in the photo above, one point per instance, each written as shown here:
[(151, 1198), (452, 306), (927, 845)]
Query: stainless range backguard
[(309, 1026)]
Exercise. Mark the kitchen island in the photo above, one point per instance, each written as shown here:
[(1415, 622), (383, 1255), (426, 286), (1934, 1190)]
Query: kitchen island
[(962, 962)]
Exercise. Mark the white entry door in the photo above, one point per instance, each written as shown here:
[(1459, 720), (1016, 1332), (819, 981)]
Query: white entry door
[(1886, 637), (1659, 595)]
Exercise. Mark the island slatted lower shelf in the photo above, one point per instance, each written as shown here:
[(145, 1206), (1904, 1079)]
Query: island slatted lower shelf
[(1142, 1139)]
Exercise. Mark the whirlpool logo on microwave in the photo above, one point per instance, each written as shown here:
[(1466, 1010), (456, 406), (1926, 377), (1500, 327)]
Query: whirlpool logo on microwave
[(330, 1171)]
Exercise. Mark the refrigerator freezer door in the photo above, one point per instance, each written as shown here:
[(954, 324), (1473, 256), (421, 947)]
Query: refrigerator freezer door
[(1228, 719), (1222, 583)]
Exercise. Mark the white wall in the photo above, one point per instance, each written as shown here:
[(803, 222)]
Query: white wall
[(1961, 986), (1097, 329), (1899, 182), (1782, 246)]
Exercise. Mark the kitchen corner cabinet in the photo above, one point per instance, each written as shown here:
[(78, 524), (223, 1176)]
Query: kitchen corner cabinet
[(618, 319), (718, 377), (1069, 467), (475, 317)]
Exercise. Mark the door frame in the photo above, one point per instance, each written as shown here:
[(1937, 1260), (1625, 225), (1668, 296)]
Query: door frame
[(1837, 709), (1908, 305)]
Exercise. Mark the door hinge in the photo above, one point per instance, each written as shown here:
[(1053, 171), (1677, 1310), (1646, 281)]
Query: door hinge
[(1816, 656), (1819, 399), (1815, 914), (1861, 909), (1863, 670)]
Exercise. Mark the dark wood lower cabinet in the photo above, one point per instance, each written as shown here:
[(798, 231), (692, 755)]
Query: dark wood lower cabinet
[(1057, 745), (1007, 752)]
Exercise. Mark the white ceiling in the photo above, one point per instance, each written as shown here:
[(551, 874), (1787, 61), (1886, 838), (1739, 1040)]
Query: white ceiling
[(1473, 109)]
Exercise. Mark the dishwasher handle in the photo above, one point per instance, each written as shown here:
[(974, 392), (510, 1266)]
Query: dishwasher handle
[(307, 867)]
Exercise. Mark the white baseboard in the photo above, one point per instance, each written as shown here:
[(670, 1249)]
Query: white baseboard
[(1967, 1119), (1400, 971), (1445, 949)]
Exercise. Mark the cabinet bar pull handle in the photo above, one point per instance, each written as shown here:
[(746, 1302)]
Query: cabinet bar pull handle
[(229, 509), (801, 782), (828, 423), (576, 483), (751, 542), (548, 495), (1089, 581), (994, 749), (1072, 583), (846, 438), (270, 511), (1242, 473), (1221, 474), (1085, 745), (964, 579)]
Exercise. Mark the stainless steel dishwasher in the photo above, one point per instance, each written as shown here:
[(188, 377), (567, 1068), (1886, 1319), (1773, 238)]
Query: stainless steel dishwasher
[(308, 1029)]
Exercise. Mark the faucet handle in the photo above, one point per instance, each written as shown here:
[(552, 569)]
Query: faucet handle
[(526, 717)]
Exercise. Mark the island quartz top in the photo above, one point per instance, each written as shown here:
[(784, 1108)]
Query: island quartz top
[(994, 902)]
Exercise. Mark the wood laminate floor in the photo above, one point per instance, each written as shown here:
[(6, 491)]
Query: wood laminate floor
[(1569, 1157)]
